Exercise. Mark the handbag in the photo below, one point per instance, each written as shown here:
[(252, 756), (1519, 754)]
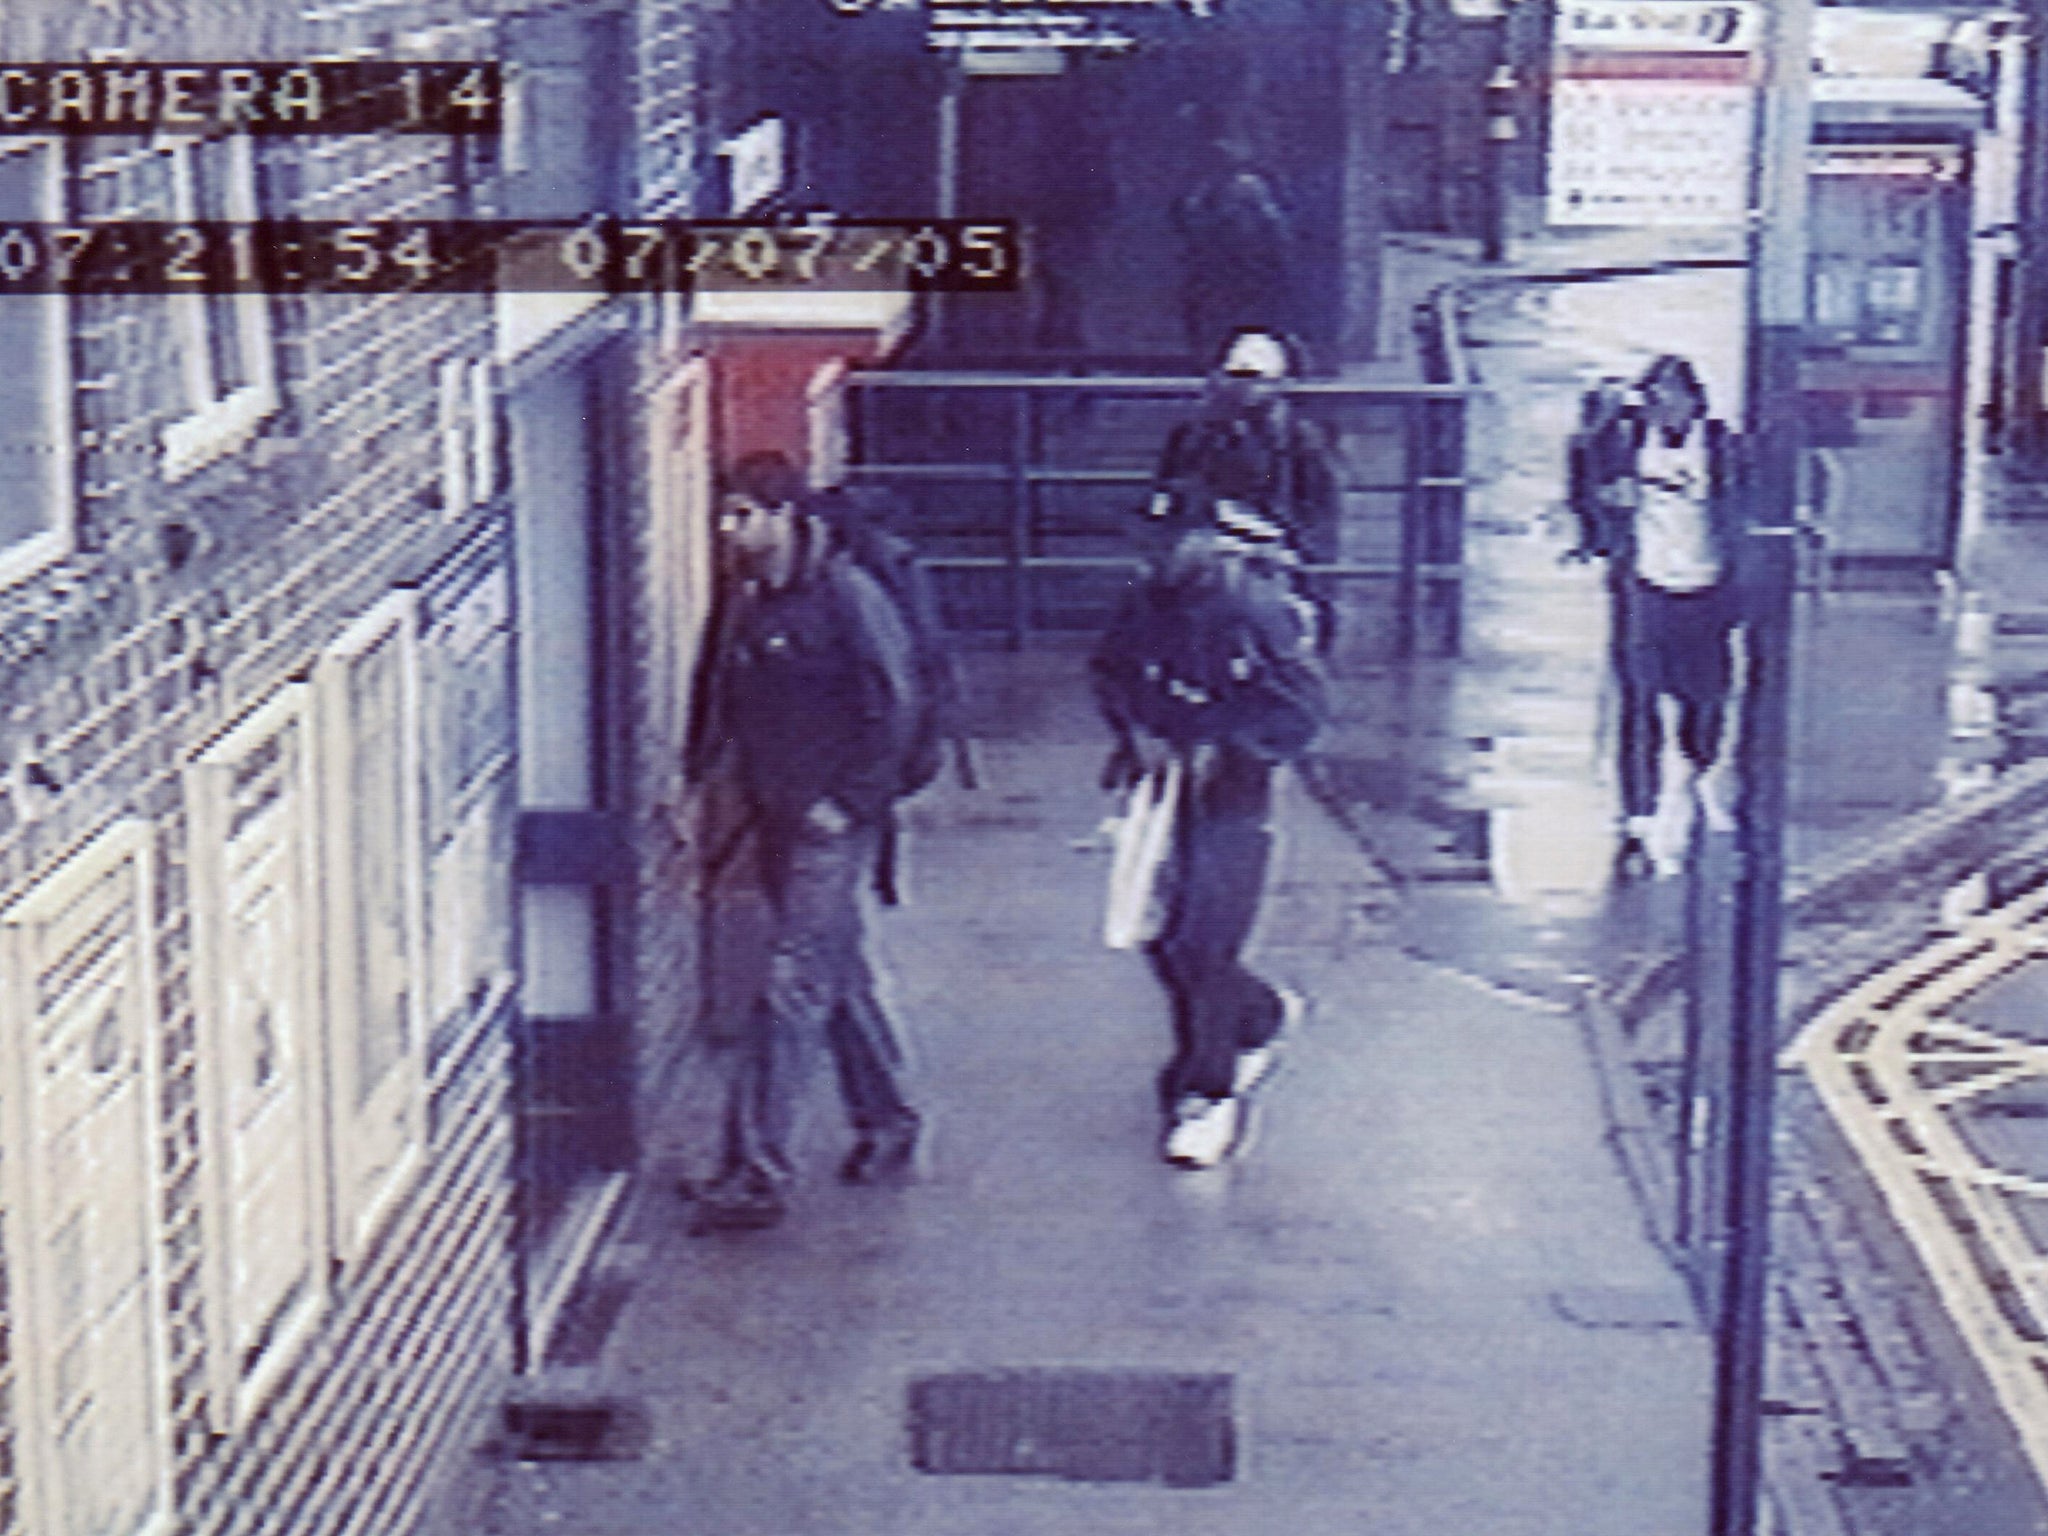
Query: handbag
[(1144, 836)]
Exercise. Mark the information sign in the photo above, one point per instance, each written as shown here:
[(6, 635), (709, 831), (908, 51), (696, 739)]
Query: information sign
[(1652, 111)]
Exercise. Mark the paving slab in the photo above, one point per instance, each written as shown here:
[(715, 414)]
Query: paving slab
[(1425, 1278)]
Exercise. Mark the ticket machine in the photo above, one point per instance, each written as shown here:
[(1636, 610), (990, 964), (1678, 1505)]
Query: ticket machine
[(1891, 275)]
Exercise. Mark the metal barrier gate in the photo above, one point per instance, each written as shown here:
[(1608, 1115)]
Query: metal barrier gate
[(1022, 486)]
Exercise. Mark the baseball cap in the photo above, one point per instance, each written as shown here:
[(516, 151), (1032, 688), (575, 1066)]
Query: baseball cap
[(1257, 355)]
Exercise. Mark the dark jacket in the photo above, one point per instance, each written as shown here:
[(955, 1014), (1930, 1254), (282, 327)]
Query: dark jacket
[(1279, 462), (807, 694), (1237, 237), (1601, 470), (1197, 663)]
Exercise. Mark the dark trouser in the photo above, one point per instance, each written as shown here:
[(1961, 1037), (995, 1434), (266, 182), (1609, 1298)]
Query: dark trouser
[(818, 992), (1221, 850), (1672, 643)]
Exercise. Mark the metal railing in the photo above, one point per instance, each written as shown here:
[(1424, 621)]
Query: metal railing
[(1426, 570), (1440, 338)]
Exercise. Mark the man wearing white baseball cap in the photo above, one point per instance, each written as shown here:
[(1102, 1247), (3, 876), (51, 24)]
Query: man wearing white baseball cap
[(1248, 444), (1248, 448)]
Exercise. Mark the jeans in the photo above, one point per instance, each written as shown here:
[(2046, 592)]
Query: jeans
[(818, 992), (1222, 848)]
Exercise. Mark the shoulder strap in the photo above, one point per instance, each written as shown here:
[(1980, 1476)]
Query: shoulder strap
[(879, 631)]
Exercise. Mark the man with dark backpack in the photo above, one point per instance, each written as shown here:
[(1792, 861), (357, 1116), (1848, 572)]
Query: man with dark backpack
[(1247, 446), (1247, 443), (1212, 661), (1656, 483), (806, 709)]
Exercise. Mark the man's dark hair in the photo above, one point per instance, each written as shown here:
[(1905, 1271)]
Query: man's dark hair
[(765, 476)]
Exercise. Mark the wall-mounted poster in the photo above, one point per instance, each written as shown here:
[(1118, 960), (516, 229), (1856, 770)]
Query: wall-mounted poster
[(256, 981), (80, 1163), (1651, 112), (1876, 243), (468, 728), (366, 687)]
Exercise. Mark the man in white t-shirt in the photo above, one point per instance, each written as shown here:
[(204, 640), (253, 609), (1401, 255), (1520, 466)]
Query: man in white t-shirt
[(1668, 517)]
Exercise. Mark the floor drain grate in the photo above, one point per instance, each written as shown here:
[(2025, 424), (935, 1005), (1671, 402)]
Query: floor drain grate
[(604, 1429), (1086, 1426)]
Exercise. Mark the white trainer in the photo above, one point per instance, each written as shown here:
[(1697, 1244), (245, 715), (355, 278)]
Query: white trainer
[(1202, 1133)]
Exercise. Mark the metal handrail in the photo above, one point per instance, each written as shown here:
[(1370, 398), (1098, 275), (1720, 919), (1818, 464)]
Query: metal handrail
[(1145, 384), (1428, 574), (1442, 340), (1053, 475), (1133, 563)]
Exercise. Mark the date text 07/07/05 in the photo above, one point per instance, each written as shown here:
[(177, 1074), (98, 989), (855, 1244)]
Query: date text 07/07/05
[(462, 255)]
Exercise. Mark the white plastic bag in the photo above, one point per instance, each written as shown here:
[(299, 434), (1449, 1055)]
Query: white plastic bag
[(1143, 838)]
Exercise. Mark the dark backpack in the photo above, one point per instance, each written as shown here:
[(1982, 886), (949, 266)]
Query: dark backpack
[(935, 712), (920, 664), (1192, 665)]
